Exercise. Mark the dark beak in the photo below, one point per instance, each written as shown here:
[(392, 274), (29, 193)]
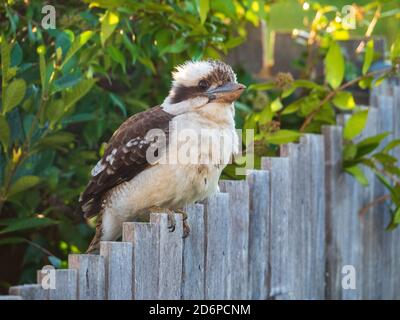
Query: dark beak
[(228, 92)]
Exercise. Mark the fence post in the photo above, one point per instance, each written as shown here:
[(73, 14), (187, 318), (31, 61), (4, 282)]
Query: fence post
[(170, 258), (193, 255), (91, 275), (146, 250), (216, 218), (259, 233), (238, 238), (280, 200), (29, 292), (118, 269)]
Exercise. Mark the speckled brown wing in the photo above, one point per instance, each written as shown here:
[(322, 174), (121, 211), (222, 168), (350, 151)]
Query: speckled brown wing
[(124, 158)]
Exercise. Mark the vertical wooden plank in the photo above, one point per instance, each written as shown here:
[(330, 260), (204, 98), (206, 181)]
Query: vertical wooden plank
[(66, 284), (170, 259), (91, 275), (316, 215), (238, 238), (216, 213), (29, 292), (343, 228), (280, 205), (146, 251), (259, 206), (118, 268), (193, 255)]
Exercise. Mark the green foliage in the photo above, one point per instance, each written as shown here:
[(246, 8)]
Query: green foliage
[(290, 107), (64, 92)]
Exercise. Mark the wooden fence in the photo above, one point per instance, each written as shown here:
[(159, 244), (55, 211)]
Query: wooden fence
[(286, 232)]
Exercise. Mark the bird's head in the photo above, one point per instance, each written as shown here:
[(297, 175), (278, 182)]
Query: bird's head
[(197, 84)]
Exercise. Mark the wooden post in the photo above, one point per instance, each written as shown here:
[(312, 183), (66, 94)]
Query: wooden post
[(238, 238), (280, 200), (91, 275), (118, 269), (193, 255), (66, 284), (216, 213), (259, 233), (170, 259), (29, 292), (146, 250)]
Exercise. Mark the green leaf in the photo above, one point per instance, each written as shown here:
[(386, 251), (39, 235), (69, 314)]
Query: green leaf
[(395, 220), (385, 159), (366, 82), (67, 81), (334, 66), (355, 125), (176, 47), (11, 240), (344, 100), (349, 151), (4, 133), (293, 107), (109, 22), (21, 224), (369, 55), (395, 49), (76, 93), (391, 145), (357, 173), (282, 136), (14, 94), (22, 184), (16, 55), (56, 140), (262, 86), (5, 59), (276, 105), (42, 67), (117, 56), (204, 7), (369, 144), (78, 43)]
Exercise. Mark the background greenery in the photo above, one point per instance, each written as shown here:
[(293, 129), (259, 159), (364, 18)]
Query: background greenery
[(65, 91)]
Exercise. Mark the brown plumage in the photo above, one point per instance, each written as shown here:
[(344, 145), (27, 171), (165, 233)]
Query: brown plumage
[(124, 158)]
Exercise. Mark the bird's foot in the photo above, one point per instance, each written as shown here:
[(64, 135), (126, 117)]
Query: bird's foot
[(186, 227), (171, 220)]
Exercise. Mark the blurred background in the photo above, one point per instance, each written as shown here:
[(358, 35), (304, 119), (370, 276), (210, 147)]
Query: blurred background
[(69, 80)]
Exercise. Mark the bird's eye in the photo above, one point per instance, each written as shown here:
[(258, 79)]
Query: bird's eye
[(203, 84)]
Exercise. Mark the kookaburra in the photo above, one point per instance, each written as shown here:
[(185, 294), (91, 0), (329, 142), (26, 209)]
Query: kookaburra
[(125, 185)]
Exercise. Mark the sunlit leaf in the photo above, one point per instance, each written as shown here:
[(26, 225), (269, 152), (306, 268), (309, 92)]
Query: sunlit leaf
[(357, 173), (344, 100), (369, 55), (78, 43), (203, 7), (283, 136), (355, 125), (334, 66), (109, 22)]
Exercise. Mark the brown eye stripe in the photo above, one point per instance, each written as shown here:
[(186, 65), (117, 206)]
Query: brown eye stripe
[(182, 93)]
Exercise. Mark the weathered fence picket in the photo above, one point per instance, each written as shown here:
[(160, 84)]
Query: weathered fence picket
[(238, 238), (146, 250), (91, 275), (118, 268), (291, 230), (193, 255), (259, 229), (170, 257)]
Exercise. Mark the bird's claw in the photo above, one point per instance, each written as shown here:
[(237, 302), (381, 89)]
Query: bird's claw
[(171, 220)]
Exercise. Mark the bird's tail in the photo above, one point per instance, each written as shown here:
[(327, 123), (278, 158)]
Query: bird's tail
[(94, 246)]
